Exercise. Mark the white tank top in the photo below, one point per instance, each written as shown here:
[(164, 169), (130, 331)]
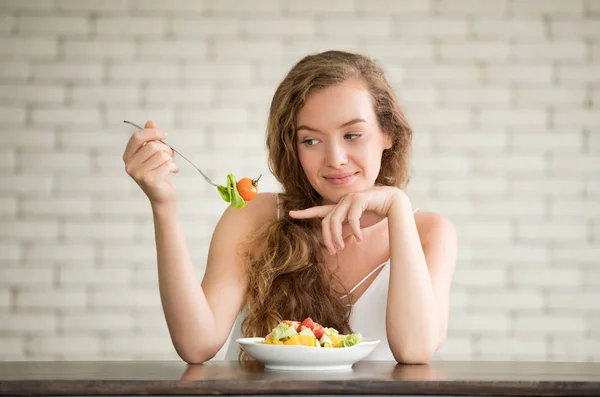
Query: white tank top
[(367, 315)]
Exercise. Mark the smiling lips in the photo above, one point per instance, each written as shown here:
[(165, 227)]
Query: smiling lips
[(340, 179)]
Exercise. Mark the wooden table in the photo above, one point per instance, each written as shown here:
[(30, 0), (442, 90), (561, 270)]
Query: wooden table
[(250, 378)]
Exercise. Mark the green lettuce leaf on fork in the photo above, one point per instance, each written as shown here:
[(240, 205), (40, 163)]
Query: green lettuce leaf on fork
[(230, 194)]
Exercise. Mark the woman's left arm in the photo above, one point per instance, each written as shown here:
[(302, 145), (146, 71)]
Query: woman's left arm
[(422, 259)]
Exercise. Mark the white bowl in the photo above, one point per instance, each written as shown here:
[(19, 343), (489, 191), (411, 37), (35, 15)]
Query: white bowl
[(294, 358)]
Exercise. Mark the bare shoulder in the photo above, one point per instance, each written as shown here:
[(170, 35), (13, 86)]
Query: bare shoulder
[(262, 209), (433, 226)]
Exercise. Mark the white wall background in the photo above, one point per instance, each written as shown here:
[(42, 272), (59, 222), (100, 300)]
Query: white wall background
[(504, 96)]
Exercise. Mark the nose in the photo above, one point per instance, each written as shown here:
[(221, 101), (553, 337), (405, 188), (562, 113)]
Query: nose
[(336, 156)]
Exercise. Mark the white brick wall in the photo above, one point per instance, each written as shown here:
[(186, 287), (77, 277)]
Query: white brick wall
[(503, 97)]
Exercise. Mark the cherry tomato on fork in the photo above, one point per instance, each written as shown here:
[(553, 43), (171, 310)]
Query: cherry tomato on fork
[(248, 188)]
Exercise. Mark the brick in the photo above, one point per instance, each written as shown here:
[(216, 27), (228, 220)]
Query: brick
[(123, 209), (14, 71), (332, 7), (138, 345), (596, 231), (25, 277), (246, 96), (93, 94), (25, 184), (50, 299), (443, 165), (98, 230), (592, 188), (582, 209), (244, 8), (549, 187), (21, 94), (56, 207), (455, 348), (593, 324), (513, 348), (280, 27), (190, 229), (595, 49), (504, 301), (163, 116), (575, 165), (392, 52), (46, 163), (16, 48), (510, 164), (497, 230), (8, 207), (574, 28), (593, 6), (447, 75), (12, 115), (488, 51), (576, 117), (444, 28), (133, 252), (146, 276), (31, 5), (475, 96), (174, 6), (48, 25), (546, 7), (93, 6), (216, 72), (154, 71), (551, 232), (130, 298), (478, 322), (94, 276), (233, 139), (112, 164), (30, 323), (7, 160), (31, 230), (7, 24), (130, 27), (549, 324), (297, 49), (96, 321), (168, 50), (10, 251), (449, 207), (558, 50), (579, 302), (151, 323), (559, 96), (576, 254), (511, 254), (522, 208), (365, 27), (481, 141), (581, 75), (236, 50), (72, 344), (206, 27), (523, 75), (472, 7), (479, 277), (5, 298), (67, 71), (95, 184), (12, 346), (545, 277), (518, 28), (472, 187), (41, 252), (570, 349), (549, 141), (219, 116), (96, 50), (66, 116), (444, 117)]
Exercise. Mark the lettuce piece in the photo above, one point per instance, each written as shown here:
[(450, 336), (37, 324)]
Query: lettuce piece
[(331, 331), (352, 340), (230, 194), (283, 331)]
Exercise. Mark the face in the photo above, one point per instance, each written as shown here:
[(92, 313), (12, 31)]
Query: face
[(340, 143)]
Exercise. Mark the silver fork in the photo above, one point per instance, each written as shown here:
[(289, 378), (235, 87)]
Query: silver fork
[(194, 165)]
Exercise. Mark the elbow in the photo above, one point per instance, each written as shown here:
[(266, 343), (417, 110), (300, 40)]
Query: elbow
[(417, 353), (196, 354)]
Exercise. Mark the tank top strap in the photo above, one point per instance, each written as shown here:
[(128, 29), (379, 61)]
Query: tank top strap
[(364, 279)]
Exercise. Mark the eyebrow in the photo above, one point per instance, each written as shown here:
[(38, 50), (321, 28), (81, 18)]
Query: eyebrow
[(346, 124)]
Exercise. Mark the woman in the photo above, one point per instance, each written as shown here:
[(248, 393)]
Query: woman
[(342, 243)]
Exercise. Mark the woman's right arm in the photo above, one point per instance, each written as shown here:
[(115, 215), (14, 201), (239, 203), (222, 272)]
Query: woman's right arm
[(199, 316)]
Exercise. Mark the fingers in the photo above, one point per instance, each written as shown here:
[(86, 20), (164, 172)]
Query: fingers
[(149, 157), (141, 137), (314, 212)]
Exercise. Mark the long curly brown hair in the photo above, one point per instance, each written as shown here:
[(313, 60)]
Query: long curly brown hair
[(287, 275)]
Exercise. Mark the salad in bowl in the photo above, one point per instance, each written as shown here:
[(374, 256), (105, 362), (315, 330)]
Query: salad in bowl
[(309, 333)]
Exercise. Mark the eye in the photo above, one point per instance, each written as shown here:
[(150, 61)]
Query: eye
[(309, 142), (352, 135)]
